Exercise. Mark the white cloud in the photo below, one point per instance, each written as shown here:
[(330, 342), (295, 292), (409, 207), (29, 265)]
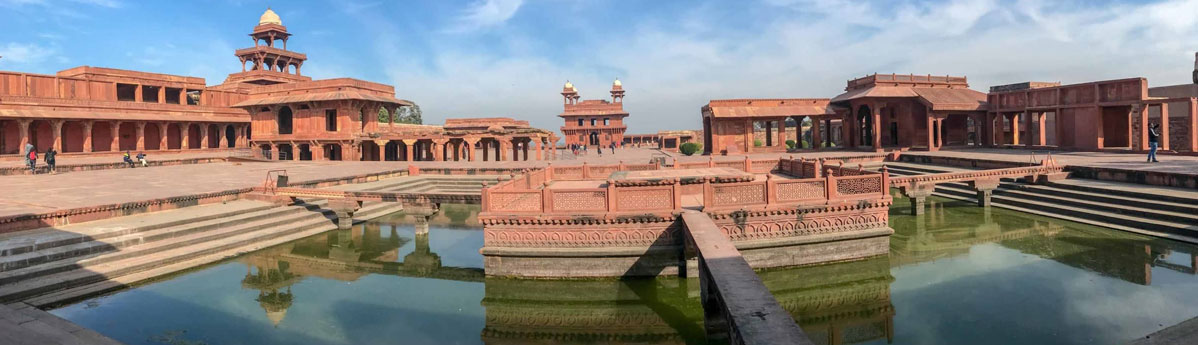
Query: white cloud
[(486, 13), (25, 53), (673, 64)]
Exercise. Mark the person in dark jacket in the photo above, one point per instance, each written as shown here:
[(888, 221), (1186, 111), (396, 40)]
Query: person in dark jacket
[(1153, 139), (50, 163)]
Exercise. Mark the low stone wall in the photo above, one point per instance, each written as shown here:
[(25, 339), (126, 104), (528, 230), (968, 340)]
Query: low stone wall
[(961, 162)]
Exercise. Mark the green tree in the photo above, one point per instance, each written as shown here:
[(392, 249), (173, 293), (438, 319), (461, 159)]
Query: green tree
[(384, 115), (790, 144), (689, 148), (409, 114)]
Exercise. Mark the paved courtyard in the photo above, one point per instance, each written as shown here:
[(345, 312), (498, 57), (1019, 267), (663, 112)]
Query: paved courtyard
[(44, 193)]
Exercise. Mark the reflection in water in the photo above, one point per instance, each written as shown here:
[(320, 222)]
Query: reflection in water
[(957, 274)]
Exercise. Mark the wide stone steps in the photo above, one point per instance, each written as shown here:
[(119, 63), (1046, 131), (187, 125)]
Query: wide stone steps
[(207, 256), (162, 239), (60, 250), (38, 239), (1153, 217)]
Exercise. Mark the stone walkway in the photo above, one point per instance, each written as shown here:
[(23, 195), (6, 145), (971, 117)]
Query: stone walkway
[(1129, 161), (21, 324), (113, 157)]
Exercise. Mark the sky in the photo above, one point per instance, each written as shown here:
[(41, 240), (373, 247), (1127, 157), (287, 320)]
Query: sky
[(486, 58)]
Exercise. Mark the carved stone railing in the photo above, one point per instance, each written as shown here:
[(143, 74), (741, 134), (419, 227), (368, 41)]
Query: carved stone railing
[(735, 301)]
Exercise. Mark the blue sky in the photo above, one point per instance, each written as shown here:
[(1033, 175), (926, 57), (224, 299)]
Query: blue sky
[(479, 58)]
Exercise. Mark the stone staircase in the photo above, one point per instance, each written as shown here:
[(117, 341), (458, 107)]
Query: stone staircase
[(448, 184), (1147, 210), (55, 265)]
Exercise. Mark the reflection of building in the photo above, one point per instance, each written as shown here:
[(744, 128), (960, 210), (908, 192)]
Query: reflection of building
[(593, 122), (841, 303)]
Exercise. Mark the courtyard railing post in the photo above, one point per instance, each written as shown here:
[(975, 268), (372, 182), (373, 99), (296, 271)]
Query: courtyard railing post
[(611, 195), (676, 188), (546, 200), (829, 185)]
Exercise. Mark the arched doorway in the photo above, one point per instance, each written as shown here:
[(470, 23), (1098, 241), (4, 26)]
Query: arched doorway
[(127, 136), (102, 136), (41, 134), (231, 136), (595, 138), (194, 133), (332, 152), (283, 119), (153, 136), (72, 136), (174, 137), (865, 123), (213, 137), (10, 137)]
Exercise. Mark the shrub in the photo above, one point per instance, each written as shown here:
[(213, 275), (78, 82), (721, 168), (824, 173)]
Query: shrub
[(806, 145), (689, 149), (790, 144), (757, 143)]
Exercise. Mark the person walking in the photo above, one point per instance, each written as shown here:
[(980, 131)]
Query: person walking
[(32, 157), (25, 152), (141, 158), (50, 160), (1153, 139)]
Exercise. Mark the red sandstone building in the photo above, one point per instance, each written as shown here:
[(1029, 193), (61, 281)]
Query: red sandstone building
[(924, 112), (593, 122), (269, 105)]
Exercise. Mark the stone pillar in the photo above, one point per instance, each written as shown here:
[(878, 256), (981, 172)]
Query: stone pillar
[(87, 136), (1000, 130), (504, 146), (162, 94), (931, 130), (1015, 128), (163, 144), (23, 127), (540, 147), (1142, 118), (56, 135), (317, 151), (409, 149), (877, 125), (749, 135), (1193, 122), (781, 134), (816, 137), (141, 136), (984, 188), (918, 195), (524, 149), (137, 97), (115, 128), (224, 139), (438, 150), (828, 125), (1164, 140), (939, 133), (184, 135), (204, 136), (1041, 137)]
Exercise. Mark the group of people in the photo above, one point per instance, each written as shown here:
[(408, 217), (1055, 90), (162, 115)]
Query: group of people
[(580, 149), (31, 158), (51, 156)]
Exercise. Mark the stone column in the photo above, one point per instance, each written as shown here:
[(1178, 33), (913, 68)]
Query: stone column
[(115, 128), (1015, 128), (222, 140), (939, 133), (470, 148), (1164, 140), (317, 151), (141, 136), (877, 125), (56, 135), (204, 135), (438, 150), (163, 144), (504, 146), (23, 128), (917, 195), (524, 149), (184, 135), (87, 136), (409, 149), (828, 125), (931, 120), (540, 147), (162, 94), (1193, 122), (816, 136), (1142, 118), (137, 97), (749, 135), (984, 188), (1041, 137), (781, 134)]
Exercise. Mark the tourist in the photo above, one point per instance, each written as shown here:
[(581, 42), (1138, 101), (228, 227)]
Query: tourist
[(50, 154), (128, 160), (25, 152), (1153, 136), (599, 149), (141, 157), (32, 157), (613, 148)]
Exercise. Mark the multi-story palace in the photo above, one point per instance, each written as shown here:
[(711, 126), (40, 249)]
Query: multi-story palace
[(594, 122), (269, 105)]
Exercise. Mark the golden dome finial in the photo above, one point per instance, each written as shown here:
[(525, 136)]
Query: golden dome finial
[(269, 17)]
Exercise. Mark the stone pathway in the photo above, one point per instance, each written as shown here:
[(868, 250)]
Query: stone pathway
[(22, 324), (1130, 161)]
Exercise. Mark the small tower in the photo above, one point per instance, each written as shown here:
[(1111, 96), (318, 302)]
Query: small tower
[(617, 91), (569, 93), (267, 63)]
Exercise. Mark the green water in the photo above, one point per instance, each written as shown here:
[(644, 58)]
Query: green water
[(958, 274)]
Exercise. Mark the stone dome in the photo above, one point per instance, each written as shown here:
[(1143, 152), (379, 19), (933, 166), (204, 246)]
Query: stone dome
[(269, 17), (569, 85), (617, 83)]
